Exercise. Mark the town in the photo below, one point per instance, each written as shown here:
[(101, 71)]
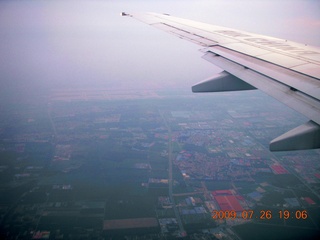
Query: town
[(96, 164)]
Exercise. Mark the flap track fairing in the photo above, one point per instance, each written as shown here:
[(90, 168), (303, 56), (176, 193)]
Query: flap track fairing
[(222, 82), (306, 136)]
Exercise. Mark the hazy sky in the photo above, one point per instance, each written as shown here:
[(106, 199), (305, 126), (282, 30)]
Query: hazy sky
[(45, 44)]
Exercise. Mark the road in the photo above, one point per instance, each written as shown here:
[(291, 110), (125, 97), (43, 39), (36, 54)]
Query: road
[(170, 178)]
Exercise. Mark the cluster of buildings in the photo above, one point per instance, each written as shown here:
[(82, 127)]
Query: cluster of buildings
[(208, 151)]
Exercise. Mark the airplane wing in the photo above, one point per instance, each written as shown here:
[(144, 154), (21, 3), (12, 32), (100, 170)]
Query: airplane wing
[(285, 70)]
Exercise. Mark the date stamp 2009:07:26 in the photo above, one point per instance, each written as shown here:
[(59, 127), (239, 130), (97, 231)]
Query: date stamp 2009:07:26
[(262, 214)]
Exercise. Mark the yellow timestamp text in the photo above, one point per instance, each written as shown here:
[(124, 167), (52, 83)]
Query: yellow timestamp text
[(260, 215)]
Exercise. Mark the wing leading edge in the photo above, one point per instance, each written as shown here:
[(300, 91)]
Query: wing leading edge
[(287, 71)]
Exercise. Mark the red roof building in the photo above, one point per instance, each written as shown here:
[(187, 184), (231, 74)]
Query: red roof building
[(278, 169), (309, 200), (229, 202)]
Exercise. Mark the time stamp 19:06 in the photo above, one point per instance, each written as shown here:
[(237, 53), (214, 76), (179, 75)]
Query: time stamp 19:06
[(262, 214)]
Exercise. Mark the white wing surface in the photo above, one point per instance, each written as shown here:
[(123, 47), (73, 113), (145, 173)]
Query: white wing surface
[(287, 71)]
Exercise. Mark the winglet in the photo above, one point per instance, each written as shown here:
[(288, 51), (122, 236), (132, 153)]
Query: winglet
[(306, 136)]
